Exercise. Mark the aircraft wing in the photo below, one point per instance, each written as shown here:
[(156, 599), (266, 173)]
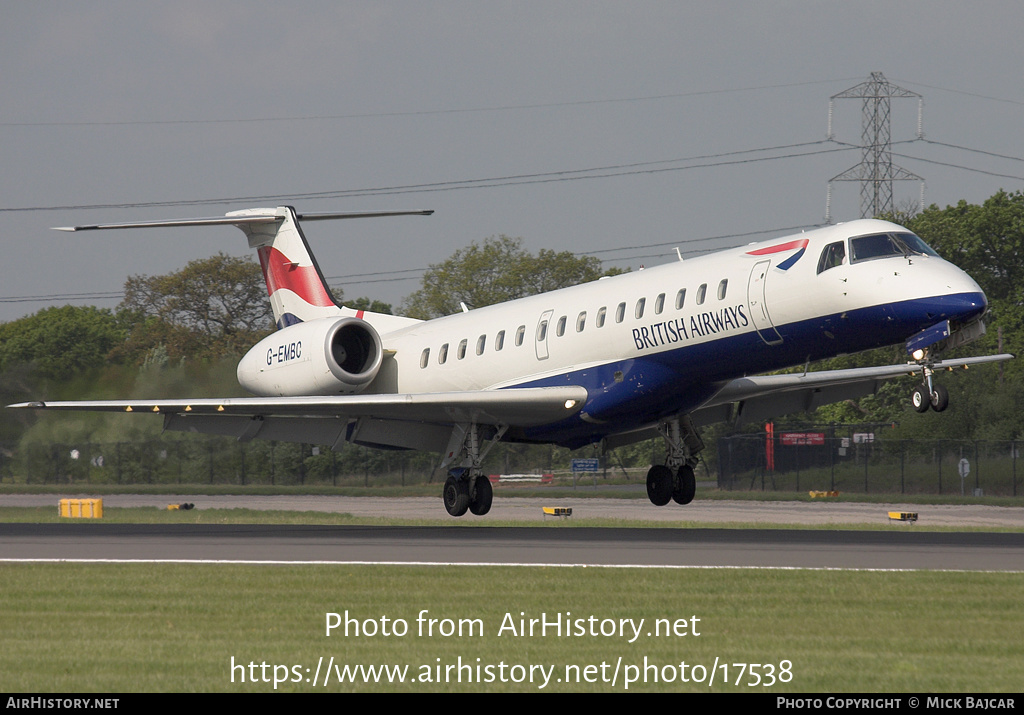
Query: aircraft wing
[(761, 397), (416, 421)]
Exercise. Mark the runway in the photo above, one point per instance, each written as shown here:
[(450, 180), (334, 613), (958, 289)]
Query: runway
[(556, 546), (510, 508)]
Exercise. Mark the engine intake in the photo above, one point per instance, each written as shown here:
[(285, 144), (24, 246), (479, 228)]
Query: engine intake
[(327, 356)]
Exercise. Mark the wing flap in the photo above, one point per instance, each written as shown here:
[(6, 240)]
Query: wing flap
[(525, 407)]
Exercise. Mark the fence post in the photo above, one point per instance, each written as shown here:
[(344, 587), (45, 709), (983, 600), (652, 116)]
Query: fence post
[(1013, 453), (865, 447), (977, 466), (903, 459), (832, 459)]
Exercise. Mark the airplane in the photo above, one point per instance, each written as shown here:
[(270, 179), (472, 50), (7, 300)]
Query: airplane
[(660, 351)]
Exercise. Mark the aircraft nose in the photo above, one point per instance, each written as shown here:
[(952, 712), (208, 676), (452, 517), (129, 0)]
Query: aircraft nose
[(960, 307)]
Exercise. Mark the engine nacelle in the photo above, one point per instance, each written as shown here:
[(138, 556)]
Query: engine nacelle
[(327, 356)]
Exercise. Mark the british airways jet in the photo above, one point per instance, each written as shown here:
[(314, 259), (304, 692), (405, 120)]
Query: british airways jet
[(660, 351)]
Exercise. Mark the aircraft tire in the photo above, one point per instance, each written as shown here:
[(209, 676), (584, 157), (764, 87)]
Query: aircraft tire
[(484, 496), (456, 496), (659, 485), (919, 398), (686, 487), (939, 398)]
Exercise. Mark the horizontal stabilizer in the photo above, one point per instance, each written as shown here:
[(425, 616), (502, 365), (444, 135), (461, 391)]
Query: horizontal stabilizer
[(263, 216)]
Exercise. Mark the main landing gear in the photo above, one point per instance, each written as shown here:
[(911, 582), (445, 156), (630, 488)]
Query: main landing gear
[(675, 480), (463, 493), (467, 487)]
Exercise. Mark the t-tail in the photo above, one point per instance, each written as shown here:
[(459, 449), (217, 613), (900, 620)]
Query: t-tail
[(297, 289)]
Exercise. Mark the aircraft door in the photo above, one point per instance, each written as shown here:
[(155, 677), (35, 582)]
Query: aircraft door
[(758, 304), (543, 328)]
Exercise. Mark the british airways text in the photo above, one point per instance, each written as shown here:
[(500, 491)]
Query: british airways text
[(701, 324)]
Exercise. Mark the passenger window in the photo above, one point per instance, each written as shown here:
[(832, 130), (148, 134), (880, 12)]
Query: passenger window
[(659, 304), (424, 357), (640, 308), (833, 255), (601, 316), (442, 354), (620, 312), (480, 343), (722, 288), (462, 348), (581, 322), (560, 330), (542, 331), (520, 334), (701, 292), (499, 340), (680, 298)]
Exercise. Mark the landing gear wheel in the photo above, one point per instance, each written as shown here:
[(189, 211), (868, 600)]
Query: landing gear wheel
[(939, 398), (456, 496), (659, 485), (920, 399), (685, 487), (484, 495)]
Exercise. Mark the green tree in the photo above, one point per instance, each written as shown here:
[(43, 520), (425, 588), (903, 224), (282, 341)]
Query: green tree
[(60, 342), (212, 307), (362, 302), (987, 241), (494, 271)]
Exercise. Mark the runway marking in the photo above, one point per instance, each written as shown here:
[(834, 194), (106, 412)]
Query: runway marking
[(490, 563)]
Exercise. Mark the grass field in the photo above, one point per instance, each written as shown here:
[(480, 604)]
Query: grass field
[(179, 628), (145, 627)]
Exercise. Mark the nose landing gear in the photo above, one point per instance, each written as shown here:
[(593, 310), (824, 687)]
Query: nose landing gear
[(937, 398)]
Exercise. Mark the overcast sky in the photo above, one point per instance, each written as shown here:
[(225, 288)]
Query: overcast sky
[(129, 103)]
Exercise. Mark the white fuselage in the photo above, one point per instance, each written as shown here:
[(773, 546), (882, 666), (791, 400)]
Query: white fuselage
[(653, 343), (699, 301)]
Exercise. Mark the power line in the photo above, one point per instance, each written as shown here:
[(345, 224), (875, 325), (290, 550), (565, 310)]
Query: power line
[(975, 151), (395, 276), (601, 172), (420, 112), (959, 166), (967, 94)]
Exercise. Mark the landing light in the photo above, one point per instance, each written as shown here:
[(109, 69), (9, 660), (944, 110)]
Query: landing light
[(918, 354), (569, 404)]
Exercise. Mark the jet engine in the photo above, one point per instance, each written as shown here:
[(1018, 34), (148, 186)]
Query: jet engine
[(327, 356)]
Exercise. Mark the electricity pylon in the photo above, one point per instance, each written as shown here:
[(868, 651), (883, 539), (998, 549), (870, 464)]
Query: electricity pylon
[(875, 172)]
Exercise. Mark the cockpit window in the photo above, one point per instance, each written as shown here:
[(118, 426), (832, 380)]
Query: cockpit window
[(833, 255), (884, 245), (916, 245)]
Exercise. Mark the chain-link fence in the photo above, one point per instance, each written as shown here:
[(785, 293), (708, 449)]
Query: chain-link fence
[(864, 462), (867, 462), (212, 461)]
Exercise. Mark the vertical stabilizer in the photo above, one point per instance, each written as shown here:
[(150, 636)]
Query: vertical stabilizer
[(295, 285)]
